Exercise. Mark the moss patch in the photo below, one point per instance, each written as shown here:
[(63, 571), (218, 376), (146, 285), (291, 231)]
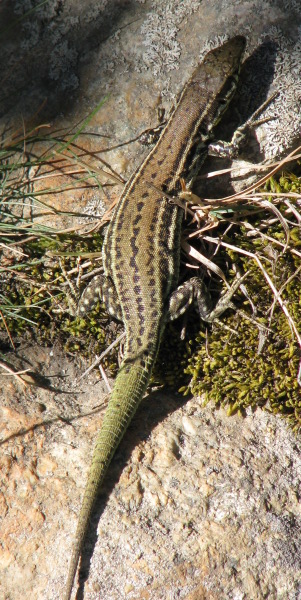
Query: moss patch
[(255, 363)]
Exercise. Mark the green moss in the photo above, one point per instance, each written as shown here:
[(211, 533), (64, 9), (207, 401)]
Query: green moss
[(247, 369), (34, 298)]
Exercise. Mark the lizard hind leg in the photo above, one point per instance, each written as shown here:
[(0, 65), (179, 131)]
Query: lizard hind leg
[(195, 291), (100, 288)]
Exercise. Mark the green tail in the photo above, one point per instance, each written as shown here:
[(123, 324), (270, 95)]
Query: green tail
[(130, 386)]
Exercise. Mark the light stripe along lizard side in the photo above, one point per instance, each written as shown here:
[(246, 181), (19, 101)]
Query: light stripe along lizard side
[(141, 255)]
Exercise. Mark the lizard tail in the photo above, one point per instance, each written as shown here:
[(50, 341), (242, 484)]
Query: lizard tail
[(130, 385)]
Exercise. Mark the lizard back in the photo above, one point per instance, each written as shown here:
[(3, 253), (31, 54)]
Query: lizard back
[(141, 251)]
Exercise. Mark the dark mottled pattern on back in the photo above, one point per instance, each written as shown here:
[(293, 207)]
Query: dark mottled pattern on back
[(150, 223)]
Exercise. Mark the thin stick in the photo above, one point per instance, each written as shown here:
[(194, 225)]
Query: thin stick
[(103, 354)]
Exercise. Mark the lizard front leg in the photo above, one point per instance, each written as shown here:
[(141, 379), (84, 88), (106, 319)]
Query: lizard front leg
[(100, 288), (232, 148)]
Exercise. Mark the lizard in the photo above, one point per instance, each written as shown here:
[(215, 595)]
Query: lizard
[(141, 256)]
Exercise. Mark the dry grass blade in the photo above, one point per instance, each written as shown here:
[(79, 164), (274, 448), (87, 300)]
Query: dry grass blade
[(253, 231), (96, 171), (276, 293), (229, 199), (105, 378), (12, 373), (103, 354), (274, 209), (193, 253), (7, 330)]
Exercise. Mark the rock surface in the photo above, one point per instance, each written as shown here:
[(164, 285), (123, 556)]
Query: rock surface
[(196, 505)]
